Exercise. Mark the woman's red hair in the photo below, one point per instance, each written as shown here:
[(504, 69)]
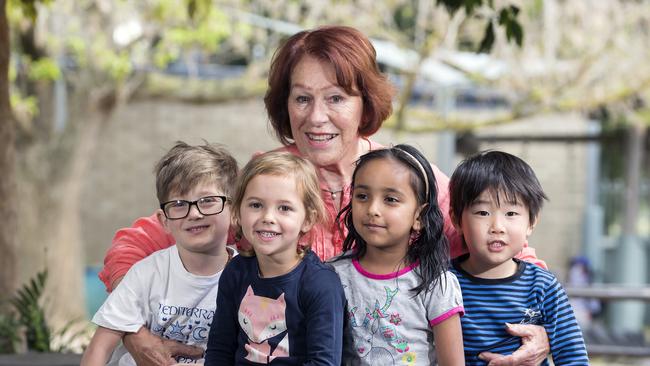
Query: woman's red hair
[(355, 62)]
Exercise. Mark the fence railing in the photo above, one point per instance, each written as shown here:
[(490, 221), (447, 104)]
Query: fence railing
[(612, 293)]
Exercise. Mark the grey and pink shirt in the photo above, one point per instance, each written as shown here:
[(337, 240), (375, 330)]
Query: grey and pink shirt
[(386, 324)]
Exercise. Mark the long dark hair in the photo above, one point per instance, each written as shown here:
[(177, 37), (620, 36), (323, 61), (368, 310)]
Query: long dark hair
[(431, 248)]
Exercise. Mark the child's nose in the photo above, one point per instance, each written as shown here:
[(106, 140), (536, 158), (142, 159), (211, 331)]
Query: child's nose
[(194, 211), (373, 208), (497, 225), (268, 217)]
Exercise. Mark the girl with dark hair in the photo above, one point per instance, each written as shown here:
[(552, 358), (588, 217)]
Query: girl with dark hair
[(403, 305)]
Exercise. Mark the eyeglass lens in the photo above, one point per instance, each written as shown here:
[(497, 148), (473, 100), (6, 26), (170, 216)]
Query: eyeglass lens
[(179, 209)]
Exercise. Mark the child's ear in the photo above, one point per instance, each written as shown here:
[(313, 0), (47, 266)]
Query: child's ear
[(309, 221), (531, 227), (163, 220), (417, 221), (454, 220)]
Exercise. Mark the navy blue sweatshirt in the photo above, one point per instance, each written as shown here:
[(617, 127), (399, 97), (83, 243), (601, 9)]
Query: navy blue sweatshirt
[(293, 319)]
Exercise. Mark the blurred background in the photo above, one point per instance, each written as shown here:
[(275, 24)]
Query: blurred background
[(100, 89)]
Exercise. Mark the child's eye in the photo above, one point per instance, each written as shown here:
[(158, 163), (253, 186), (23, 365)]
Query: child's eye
[(209, 199), (512, 213), (255, 205), (285, 208), (391, 199), (178, 204), (361, 196), (482, 213)]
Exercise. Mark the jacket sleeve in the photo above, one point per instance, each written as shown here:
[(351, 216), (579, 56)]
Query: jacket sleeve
[(324, 315), (456, 246), (224, 332), (132, 244)]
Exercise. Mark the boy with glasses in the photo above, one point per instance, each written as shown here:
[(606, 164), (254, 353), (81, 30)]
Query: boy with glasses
[(172, 292)]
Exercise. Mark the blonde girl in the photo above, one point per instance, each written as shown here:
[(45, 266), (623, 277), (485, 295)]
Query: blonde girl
[(403, 305), (279, 302)]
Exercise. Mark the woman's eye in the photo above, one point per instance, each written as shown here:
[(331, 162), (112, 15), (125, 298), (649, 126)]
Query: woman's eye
[(336, 99), (302, 99)]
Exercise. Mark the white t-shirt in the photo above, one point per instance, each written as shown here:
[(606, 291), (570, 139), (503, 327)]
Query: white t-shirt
[(386, 324), (160, 294)]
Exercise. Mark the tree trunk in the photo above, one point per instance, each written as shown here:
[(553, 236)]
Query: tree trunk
[(7, 163), (67, 252), (53, 173)]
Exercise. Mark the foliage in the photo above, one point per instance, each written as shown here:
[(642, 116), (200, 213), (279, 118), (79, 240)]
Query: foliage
[(31, 315), (8, 333), (44, 69), (29, 305), (27, 106), (506, 17), (27, 8)]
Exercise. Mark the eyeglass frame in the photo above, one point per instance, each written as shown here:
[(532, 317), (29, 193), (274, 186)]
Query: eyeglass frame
[(224, 200)]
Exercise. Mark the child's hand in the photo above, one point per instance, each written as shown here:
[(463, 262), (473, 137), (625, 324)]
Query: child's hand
[(534, 348), (150, 350)]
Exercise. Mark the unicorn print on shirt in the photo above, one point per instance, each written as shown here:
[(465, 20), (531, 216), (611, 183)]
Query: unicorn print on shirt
[(263, 318), (379, 341)]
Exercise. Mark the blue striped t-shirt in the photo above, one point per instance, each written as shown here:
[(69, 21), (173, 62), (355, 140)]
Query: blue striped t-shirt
[(531, 296)]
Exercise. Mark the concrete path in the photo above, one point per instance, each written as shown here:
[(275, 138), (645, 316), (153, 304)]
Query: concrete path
[(41, 359)]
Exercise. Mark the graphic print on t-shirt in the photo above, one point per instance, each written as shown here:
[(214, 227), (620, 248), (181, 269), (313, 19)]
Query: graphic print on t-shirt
[(377, 339), (263, 319), (189, 325)]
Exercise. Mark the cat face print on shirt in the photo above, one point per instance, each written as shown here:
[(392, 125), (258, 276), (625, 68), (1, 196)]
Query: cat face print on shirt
[(263, 320)]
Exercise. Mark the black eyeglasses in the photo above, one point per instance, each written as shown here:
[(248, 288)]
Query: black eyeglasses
[(179, 209)]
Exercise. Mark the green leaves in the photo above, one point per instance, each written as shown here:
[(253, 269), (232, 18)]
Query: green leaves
[(8, 333), (45, 68), (30, 310), (198, 8), (508, 19), (31, 315), (453, 6), (28, 7), (505, 17)]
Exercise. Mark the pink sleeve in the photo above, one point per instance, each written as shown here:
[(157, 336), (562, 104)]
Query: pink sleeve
[(456, 246), (132, 244), (528, 254)]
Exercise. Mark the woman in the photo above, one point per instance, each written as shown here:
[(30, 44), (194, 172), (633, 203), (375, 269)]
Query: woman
[(326, 97)]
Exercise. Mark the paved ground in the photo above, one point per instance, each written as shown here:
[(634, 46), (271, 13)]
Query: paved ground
[(41, 359)]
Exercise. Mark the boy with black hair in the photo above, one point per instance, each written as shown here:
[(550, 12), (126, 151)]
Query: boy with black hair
[(495, 200)]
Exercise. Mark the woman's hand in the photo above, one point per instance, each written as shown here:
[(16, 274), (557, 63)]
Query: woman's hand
[(534, 348), (150, 350)]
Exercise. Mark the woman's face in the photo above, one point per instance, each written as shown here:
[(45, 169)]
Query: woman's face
[(324, 118)]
